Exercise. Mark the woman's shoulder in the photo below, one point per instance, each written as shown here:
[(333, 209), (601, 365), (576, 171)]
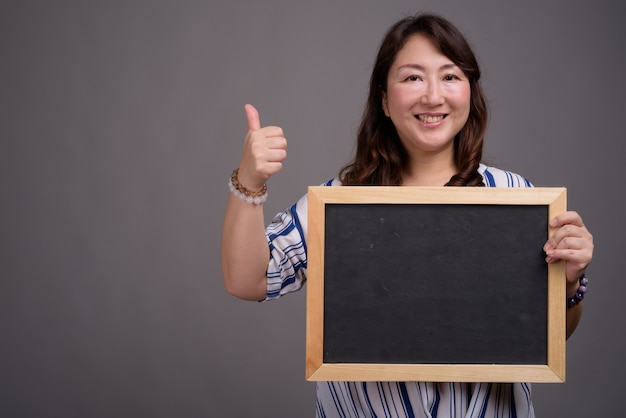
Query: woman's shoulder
[(497, 177), (332, 182), (300, 207)]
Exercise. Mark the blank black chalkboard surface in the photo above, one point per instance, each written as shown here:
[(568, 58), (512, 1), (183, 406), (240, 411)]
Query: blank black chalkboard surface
[(434, 284)]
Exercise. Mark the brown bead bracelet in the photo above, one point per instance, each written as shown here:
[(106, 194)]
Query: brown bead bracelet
[(244, 194)]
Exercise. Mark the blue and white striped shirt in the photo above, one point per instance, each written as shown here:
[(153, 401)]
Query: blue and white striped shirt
[(287, 273)]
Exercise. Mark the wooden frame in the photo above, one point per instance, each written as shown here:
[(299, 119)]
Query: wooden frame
[(553, 371)]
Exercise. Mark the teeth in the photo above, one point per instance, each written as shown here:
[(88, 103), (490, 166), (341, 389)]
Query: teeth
[(430, 119)]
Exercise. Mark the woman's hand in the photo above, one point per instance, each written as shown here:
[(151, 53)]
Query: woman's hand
[(571, 242), (264, 150)]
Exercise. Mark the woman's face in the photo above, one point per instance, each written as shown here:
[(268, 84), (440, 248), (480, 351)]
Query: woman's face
[(427, 98)]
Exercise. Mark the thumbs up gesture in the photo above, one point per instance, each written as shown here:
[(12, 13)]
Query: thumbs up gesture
[(264, 150)]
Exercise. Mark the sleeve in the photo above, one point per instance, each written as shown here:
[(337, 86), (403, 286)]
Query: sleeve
[(286, 236), (494, 177)]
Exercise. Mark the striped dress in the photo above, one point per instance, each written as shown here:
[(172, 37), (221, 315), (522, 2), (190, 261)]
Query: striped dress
[(287, 273)]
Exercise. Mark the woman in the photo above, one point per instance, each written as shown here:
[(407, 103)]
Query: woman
[(423, 125)]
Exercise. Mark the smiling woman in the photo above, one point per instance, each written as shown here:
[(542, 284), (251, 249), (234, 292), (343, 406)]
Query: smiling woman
[(431, 53), (428, 101), (423, 124)]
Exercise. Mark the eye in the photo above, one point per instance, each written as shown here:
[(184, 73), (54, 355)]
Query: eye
[(413, 78), (451, 77)]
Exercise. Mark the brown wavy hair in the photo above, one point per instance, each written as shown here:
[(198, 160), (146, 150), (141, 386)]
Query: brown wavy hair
[(380, 157)]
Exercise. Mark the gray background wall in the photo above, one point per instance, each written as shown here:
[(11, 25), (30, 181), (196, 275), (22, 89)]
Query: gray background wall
[(120, 122)]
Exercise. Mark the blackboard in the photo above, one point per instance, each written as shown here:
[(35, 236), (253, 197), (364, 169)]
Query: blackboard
[(416, 281)]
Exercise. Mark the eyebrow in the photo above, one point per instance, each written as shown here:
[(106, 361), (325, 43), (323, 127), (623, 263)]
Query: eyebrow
[(421, 68)]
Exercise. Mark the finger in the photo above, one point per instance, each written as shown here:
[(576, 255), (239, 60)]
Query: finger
[(252, 115), (260, 143), (572, 249), (565, 218), (273, 132), (262, 152), (569, 233), (562, 232), (577, 257), (572, 243), (277, 142), (276, 155), (566, 224)]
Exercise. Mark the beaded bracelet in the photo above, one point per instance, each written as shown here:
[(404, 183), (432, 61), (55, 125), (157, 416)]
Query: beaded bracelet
[(244, 194), (580, 293)]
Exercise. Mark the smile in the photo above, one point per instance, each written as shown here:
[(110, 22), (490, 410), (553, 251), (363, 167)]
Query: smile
[(430, 118)]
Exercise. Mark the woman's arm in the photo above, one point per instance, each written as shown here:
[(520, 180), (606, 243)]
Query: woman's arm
[(573, 243), (245, 251)]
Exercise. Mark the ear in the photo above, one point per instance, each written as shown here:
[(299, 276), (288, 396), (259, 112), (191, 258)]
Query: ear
[(384, 103)]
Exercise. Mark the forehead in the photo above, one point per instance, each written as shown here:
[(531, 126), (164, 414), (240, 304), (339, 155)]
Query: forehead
[(420, 50)]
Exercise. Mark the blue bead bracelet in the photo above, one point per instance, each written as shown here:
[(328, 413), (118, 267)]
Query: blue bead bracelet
[(580, 293)]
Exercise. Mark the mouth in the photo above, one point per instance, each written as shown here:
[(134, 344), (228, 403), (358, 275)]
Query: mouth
[(430, 118)]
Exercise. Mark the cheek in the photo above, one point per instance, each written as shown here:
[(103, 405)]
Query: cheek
[(462, 98), (397, 98)]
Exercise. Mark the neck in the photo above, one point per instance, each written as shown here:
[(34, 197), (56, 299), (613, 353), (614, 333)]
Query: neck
[(433, 171)]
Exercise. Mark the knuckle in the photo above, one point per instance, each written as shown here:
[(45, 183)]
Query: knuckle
[(566, 242)]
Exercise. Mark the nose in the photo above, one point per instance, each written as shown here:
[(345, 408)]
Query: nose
[(432, 95)]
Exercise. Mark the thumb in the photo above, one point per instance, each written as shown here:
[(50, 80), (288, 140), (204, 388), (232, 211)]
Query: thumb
[(252, 115)]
